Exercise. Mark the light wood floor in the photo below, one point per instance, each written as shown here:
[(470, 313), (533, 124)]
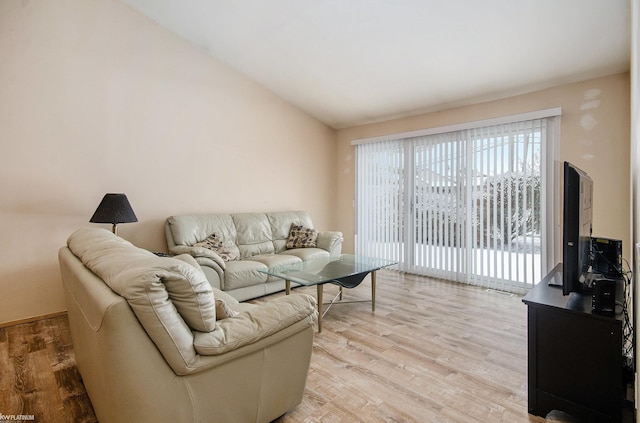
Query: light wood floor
[(433, 351)]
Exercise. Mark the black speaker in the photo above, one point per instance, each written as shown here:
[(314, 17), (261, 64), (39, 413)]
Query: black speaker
[(607, 257), (603, 300)]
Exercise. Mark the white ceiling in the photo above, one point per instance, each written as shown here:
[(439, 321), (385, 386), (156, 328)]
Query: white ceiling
[(349, 62)]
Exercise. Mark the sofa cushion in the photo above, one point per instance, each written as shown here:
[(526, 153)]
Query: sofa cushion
[(301, 237), (239, 274), (191, 294), (256, 323), (253, 234), (281, 222), (307, 254), (224, 301), (270, 260), (189, 229), (215, 243)]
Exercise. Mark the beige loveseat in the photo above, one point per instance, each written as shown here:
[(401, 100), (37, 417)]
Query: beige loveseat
[(253, 241), (153, 342)]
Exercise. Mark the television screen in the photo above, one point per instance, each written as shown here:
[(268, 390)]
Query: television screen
[(576, 230)]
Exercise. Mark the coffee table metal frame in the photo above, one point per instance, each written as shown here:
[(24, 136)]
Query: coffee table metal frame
[(346, 271)]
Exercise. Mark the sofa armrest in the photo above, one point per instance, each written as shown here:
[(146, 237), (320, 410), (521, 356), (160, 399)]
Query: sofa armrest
[(330, 241), (199, 252), (256, 324), (219, 294)]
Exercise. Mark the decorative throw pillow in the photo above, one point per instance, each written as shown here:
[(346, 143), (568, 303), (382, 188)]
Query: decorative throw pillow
[(214, 243), (223, 310), (301, 237)]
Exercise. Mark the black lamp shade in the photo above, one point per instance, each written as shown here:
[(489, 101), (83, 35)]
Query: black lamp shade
[(114, 209)]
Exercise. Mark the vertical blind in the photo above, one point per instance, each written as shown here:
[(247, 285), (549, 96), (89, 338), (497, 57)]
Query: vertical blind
[(473, 205)]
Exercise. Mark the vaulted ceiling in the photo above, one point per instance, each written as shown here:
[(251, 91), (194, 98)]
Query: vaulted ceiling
[(350, 62)]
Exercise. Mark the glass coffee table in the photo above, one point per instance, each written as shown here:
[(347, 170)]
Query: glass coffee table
[(346, 271)]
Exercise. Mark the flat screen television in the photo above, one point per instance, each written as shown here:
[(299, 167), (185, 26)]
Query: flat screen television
[(576, 229)]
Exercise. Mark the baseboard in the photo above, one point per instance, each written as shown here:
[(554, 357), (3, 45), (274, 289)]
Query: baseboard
[(33, 319)]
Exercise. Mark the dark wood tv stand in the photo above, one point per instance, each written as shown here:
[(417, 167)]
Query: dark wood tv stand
[(575, 356)]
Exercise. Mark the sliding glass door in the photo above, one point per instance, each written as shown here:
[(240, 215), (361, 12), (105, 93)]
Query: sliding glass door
[(471, 205)]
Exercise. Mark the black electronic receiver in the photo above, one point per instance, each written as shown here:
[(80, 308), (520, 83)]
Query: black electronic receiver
[(603, 300), (607, 256)]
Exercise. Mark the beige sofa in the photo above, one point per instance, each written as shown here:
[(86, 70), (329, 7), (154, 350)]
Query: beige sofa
[(255, 240), (153, 342)]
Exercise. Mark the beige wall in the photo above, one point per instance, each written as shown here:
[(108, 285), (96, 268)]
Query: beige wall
[(594, 136), (95, 98)]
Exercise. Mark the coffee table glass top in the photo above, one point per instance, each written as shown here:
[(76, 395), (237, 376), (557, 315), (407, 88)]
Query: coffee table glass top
[(328, 269)]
